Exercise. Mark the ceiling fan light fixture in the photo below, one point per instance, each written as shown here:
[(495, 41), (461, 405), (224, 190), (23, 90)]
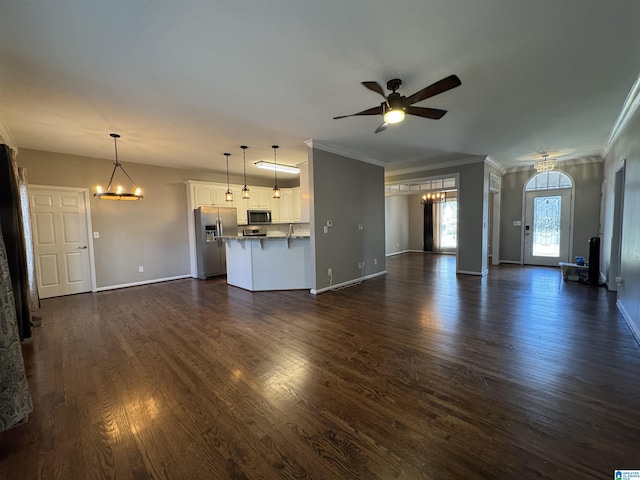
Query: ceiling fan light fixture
[(394, 115), (119, 194)]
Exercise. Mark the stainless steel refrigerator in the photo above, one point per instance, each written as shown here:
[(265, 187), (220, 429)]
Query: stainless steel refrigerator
[(212, 224)]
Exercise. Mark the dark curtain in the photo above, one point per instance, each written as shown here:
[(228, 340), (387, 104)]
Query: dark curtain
[(15, 399), (428, 226), (14, 239)]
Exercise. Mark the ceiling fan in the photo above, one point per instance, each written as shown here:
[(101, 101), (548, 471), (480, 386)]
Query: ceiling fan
[(395, 106)]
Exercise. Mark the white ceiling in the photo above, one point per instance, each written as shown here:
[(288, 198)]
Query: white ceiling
[(184, 82)]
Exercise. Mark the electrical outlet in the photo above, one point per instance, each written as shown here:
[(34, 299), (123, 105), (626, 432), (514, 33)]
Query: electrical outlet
[(96, 234), (375, 261), (325, 229), (140, 269), (329, 272), (360, 227), (360, 265), (363, 265)]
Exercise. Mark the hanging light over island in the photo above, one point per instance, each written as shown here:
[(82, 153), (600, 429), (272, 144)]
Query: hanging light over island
[(276, 190)]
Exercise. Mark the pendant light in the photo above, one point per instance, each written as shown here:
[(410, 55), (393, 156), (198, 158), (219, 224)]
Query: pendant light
[(119, 194), (228, 196), (434, 197), (545, 165), (245, 189), (276, 190)]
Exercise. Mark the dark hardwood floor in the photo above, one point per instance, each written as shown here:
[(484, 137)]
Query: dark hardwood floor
[(418, 374)]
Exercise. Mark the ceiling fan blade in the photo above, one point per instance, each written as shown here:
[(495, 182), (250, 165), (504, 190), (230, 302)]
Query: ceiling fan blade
[(434, 113), (370, 111), (375, 87), (452, 81), (382, 127)]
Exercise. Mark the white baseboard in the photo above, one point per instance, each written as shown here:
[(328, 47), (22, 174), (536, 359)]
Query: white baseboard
[(483, 273), (397, 253), (632, 326), (347, 283), (144, 282)]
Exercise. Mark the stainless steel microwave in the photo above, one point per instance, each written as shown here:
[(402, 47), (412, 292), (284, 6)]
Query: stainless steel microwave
[(258, 217)]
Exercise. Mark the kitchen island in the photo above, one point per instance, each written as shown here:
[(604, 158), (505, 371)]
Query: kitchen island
[(275, 262)]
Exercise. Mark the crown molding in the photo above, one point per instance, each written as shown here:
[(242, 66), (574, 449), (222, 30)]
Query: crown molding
[(6, 136), (629, 107), (491, 162), (326, 147), (435, 166)]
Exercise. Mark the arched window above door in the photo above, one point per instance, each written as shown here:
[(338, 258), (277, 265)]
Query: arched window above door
[(548, 181)]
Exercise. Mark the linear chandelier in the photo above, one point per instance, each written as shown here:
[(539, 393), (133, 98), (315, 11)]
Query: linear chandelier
[(433, 197), (119, 194)]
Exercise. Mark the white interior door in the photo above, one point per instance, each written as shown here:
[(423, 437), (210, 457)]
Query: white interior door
[(547, 227), (61, 241)]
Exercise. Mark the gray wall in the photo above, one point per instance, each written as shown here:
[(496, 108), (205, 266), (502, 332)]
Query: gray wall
[(348, 192), (626, 149), (397, 224), (416, 224), (404, 217), (151, 232), (587, 175), (473, 192)]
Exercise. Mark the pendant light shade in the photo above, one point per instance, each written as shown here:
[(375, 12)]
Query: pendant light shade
[(228, 196), (245, 189), (119, 193), (276, 191)]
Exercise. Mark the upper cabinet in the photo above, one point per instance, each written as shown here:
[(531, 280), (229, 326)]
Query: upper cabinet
[(260, 197), (297, 211), (287, 208), (203, 195)]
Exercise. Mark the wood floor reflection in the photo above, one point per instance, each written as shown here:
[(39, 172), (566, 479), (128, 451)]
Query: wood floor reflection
[(417, 374)]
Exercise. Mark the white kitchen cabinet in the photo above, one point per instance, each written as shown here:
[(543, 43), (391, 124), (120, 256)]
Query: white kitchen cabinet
[(260, 198), (203, 195), (285, 205), (295, 197), (219, 196)]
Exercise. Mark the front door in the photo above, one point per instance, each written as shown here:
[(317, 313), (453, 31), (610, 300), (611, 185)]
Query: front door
[(60, 240), (547, 227)]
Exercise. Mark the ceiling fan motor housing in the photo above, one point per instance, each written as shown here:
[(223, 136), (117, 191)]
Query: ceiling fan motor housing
[(396, 101)]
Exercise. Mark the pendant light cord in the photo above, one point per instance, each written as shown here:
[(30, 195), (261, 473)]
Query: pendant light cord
[(118, 164), (275, 162), (244, 163), (227, 155)]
